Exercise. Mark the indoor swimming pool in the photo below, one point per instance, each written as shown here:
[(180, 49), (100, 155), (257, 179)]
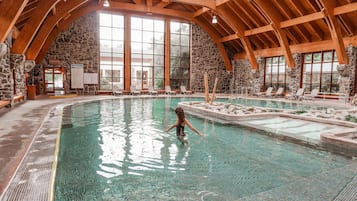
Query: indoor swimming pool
[(118, 150)]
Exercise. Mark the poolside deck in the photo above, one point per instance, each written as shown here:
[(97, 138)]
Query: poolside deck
[(28, 135)]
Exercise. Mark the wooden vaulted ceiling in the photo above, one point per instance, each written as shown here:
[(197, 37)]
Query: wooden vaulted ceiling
[(246, 28)]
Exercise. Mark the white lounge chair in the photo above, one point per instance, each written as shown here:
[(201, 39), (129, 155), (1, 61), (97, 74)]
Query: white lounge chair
[(279, 92), (298, 95), (311, 95), (134, 91), (184, 91), (152, 91), (265, 93), (117, 91), (168, 91)]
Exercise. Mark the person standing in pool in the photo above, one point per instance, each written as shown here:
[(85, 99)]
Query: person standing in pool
[(181, 121)]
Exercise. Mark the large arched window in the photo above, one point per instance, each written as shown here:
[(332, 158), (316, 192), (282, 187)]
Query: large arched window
[(147, 52), (320, 71)]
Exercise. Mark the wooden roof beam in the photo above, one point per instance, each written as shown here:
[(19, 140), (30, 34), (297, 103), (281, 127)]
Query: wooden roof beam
[(345, 9), (200, 11), (335, 31), (240, 31), (211, 4), (10, 12), (31, 27), (63, 9), (280, 34), (163, 4), (325, 45)]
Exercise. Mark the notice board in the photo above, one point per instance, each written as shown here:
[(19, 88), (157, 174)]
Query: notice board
[(90, 78), (77, 76)]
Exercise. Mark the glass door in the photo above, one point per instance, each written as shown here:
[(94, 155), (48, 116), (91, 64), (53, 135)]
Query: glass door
[(54, 80)]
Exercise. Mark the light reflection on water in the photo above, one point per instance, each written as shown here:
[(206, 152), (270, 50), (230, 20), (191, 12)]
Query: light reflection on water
[(118, 150)]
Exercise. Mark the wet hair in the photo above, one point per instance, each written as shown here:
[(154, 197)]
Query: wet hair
[(180, 114)]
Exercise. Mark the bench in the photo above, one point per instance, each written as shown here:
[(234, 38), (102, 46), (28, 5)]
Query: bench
[(4, 103), (18, 98)]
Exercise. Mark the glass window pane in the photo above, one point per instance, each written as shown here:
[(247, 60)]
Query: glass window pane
[(136, 47), (326, 67), (175, 27), (148, 24), (159, 49), (118, 34), (282, 60), (136, 59), (158, 60), (159, 26), (185, 28), (148, 36), (159, 37), (105, 19), (118, 46), (118, 59), (175, 39), (185, 40), (148, 60), (148, 48), (317, 57), (175, 50), (158, 72), (307, 58), (136, 23), (118, 21), (185, 51), (316, 67), (136, 36), (105, 33), (327, 56), (105, 46)]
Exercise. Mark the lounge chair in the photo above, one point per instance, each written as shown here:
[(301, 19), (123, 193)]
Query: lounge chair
[(151, 91), (298, 95), (168, 91), (265, 93), (134, 91), (311, 95), (279, 92), (184, 91), (117, 91)]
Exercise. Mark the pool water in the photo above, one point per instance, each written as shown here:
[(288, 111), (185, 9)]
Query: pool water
[(118, 150), (278, 104)]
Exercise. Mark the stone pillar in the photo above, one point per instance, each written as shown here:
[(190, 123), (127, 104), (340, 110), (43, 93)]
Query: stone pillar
[(294, 74), (6, 77), (18, 66)]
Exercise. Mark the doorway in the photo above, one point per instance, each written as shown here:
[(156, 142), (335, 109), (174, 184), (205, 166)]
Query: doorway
[(54, 79)]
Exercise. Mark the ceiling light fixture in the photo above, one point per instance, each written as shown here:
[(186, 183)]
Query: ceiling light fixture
[(106, 3), (214, 19)]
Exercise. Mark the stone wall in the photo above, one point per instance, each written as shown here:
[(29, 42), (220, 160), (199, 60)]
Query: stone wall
[(205, 57), (77, 45), (6, 75)]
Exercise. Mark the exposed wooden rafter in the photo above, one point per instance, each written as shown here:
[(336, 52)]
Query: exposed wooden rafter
[(32, 26), (63, 9), (10, 12), (280, 34), (335, 31), (238, 28)]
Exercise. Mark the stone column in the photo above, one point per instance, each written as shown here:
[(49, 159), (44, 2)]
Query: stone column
[(294, 74), (18, 66), (6, 77)]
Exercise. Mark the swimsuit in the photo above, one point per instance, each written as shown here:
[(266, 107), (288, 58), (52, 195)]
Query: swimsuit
[(180, 130)]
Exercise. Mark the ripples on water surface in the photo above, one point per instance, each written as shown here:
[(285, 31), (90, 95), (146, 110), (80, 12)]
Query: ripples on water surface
[(118, 150)]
